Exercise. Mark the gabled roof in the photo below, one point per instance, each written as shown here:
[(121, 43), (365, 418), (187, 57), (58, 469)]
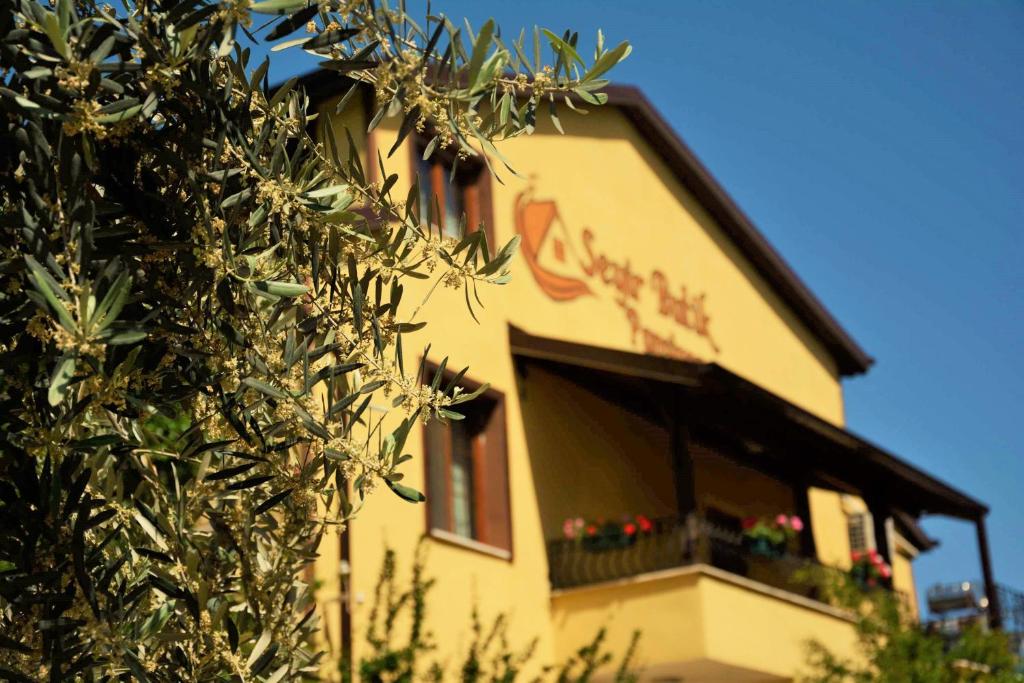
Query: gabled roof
[(849, 357)]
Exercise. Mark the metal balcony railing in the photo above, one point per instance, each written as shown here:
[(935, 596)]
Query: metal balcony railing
[(958, 606), (675, 543)]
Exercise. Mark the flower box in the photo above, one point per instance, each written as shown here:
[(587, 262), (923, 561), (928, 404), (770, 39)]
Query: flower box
[(601, 535), (869, 570), (770, 536)]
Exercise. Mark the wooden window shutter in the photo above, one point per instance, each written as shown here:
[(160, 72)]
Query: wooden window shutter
[(438, 446), (438, 180), (496, 521), (485, 207), (471, 201)]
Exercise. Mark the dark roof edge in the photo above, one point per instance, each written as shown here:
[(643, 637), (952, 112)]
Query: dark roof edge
[(850, 358), (912, 531)]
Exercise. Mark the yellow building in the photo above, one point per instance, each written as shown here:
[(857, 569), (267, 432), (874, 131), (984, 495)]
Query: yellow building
[(655, 358)]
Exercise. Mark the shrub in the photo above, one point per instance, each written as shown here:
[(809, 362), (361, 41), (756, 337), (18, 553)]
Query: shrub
[(398, 653), (892, 647)]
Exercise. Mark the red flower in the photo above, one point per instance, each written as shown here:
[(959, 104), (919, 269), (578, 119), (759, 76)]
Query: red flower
[(644, 523), (856, 555), (591, 530), (749, 522), (629, 528)]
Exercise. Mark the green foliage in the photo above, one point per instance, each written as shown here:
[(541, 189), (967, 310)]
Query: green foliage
[(489, 656), (174, 243), (894, 648), (389, 661), (590, 658), (398, 643)]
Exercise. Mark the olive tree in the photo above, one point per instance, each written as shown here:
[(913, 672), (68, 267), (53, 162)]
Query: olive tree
[(198, 303)]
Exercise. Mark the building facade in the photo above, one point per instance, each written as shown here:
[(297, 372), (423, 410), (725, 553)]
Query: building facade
[(653, 359)]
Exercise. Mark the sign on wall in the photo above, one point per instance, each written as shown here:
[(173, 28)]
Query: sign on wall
[(570, 264)]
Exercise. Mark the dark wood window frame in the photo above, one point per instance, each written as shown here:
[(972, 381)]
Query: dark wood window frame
[(491, 498), (472, 179)]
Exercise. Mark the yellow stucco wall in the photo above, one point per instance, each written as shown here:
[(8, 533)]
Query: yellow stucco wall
[(903, 577), (626, 459), (830, 527), (605, 178)]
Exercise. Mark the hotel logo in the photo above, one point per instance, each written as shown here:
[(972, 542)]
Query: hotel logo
[(569, 265)]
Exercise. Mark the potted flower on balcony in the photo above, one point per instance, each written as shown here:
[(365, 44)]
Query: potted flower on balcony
[(869, 569), (769, 536), (597, 535)]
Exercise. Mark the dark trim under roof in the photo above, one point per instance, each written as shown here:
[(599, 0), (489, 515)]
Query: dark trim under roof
[(818, 446), (849, 357)]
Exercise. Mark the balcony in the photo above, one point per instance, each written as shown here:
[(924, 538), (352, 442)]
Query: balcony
[(674, 543), (611, 432), (709, 608)]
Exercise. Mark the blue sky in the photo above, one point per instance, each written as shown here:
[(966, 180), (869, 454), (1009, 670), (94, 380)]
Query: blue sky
[(880, 147)]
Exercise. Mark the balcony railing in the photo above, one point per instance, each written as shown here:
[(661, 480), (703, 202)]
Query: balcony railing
[(957, 606), (676, 543)]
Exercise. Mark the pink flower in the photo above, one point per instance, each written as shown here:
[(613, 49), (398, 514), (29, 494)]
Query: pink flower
[(796, 523), (569, 529), (782, 520), (856, 556), (886, 572)]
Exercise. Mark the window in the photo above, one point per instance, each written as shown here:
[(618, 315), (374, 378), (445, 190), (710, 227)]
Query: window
[(861, 529), (467, 474), (467, 193)]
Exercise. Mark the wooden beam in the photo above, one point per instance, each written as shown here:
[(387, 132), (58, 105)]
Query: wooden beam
[(995, 614), (345, 598), (803, 510), (879, 516)]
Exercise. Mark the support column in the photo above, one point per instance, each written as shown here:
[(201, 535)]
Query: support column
[(803, 510), (995, 614), (879, 516), (682, 460), (695, 547)]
